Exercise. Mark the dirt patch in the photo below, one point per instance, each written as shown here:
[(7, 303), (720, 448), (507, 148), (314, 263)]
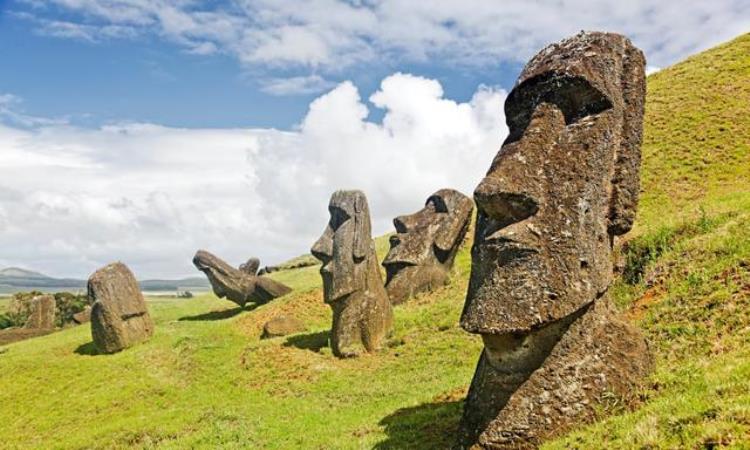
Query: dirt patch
[(307, 307), (11, 335), (639, 308)]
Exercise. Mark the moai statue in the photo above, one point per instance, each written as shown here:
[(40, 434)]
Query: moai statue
[(425, 245), (119, 317), (238, 285), (563, 185), (352, 285)]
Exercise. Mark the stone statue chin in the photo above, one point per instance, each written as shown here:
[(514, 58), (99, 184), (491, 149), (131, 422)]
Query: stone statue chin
[(425, 244)]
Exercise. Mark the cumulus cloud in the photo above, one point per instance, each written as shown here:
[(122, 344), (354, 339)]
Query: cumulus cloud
[(72, 199), (331, 34)]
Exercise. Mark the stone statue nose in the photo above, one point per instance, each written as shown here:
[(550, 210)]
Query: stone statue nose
[(323, 247), (502, 203)]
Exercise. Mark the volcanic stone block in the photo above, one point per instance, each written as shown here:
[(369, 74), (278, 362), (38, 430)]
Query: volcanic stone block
[(42, 313), (563, 185), (119, 317), (352, 285), (238, 285), (83, 316), (282, 326), (425, 245)]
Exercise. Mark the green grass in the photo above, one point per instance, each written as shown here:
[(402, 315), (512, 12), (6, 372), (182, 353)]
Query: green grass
[(206, 380)]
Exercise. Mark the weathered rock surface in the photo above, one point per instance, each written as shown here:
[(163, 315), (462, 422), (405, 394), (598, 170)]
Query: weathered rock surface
[(425, 245), (119, 317), (352, 284), (83, 316), (282, 326), (238, 285), (563, 185), (42, 313)]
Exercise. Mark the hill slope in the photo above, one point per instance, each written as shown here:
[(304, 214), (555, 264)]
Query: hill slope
[(207, 380)]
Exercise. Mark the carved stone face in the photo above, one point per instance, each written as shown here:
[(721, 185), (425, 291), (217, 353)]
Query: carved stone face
[(425, 244), (224, 278), (557, 192), (344, 245)]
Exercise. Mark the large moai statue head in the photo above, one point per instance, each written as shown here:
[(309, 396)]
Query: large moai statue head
[(563, 185), (352, 284), (425, 244)]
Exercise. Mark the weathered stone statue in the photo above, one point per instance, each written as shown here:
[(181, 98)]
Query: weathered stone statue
[(119, 317), (352, 285), (238, 285), (42, 313), (563, 185), (425, 245)]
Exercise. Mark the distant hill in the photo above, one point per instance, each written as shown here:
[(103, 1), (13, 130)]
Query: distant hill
[(14, 279)]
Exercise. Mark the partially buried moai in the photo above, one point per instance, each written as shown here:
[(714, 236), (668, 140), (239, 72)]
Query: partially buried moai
[(425, 245), (241, 285), (352, 285), (563, 185), (119, 317)]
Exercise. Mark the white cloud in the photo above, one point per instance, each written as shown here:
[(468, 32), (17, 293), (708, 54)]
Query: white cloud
[(296, 85), (72, 199), (332, 34)]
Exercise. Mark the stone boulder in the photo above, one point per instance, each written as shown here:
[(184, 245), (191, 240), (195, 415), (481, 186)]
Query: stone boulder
[(41, 313), (282, 326), (119, 316), (82, 316)]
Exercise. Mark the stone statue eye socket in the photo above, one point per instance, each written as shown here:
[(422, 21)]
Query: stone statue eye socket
[(437, 204), (338, 217)]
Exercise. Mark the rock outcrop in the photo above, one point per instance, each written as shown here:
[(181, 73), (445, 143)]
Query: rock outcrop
[(425, 245), (563, 185), (352, 284), (82, 316), (238, 285), (41, 313), (119, 317)]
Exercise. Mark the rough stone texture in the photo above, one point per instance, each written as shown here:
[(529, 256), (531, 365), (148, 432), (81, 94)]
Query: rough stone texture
[(282, 326), (42, 313), (83, 316), (251, 266), (119, 317), (238, 285), (563, 185), (425, 245), (352, 284)]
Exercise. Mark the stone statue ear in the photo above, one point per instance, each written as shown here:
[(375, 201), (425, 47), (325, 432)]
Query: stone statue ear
[(626, 180), (362, 227)]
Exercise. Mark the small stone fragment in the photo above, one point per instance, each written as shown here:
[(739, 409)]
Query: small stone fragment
[(282, 326)]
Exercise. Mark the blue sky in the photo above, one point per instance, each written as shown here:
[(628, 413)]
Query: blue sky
[(142, 130)]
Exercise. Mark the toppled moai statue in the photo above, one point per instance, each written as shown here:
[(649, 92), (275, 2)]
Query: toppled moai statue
[(425, 245), (42, 313), (119, 317), (241, 285), (563, 185), (352, 285)]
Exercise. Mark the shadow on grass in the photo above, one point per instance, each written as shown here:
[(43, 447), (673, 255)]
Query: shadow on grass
[(428, 426), (311, 341), (88, 349), (219, 315)]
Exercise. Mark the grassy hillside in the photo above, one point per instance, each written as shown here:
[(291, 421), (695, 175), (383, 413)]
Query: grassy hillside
[(207, 380)]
